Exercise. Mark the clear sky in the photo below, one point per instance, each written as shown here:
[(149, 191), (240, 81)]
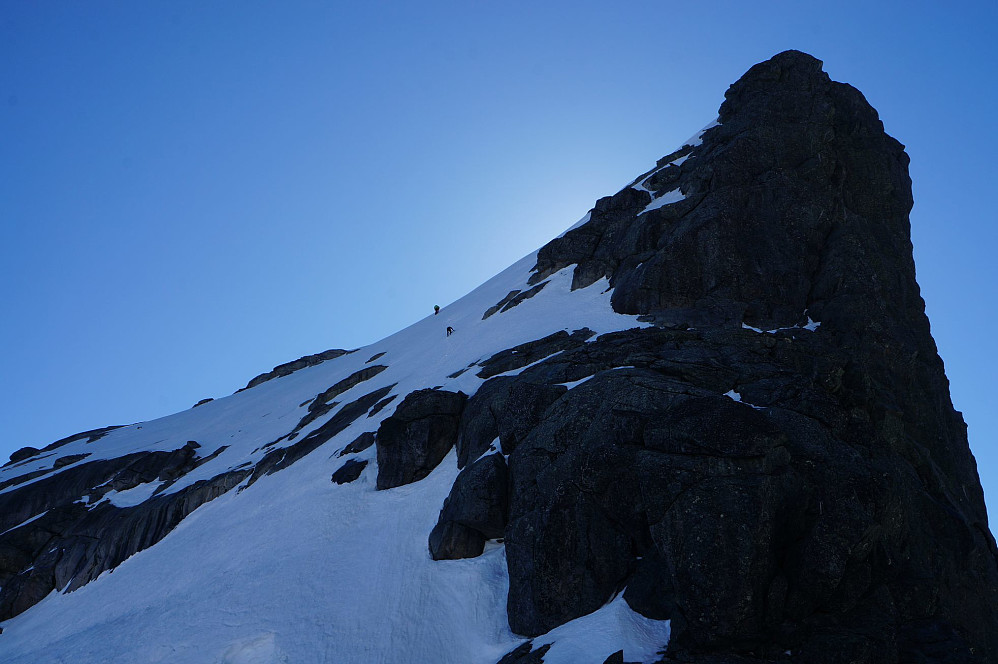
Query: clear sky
[(194, 192)]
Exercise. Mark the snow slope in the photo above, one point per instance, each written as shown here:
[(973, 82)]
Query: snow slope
[(296, 569)]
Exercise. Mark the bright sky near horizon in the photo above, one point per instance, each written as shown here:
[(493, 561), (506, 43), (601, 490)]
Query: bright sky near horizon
[(192, 193)]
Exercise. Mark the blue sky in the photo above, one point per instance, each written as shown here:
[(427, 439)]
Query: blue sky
[(192, 192)]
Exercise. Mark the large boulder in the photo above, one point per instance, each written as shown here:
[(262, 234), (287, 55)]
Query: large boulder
[(475, 510), (417, 436)]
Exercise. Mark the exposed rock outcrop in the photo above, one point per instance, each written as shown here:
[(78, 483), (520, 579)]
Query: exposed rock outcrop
[(349, 471), (69, 459), (475, 510), (23, 453), (92, 436), (280, 458), (512, 299), (520, 356), (323, 403), (58, 533), (360, 443), (289, 368), (523, 654), (415, 438)]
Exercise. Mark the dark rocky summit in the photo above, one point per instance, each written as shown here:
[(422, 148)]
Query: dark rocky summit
[(775, 465)]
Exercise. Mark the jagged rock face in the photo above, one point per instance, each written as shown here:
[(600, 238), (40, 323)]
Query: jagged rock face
[(807, 489)]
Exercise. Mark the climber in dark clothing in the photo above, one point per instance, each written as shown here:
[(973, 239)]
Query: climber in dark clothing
[(450, 331), (436, 309)]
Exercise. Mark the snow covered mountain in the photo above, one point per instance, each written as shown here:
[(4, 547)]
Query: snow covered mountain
[(706, 424)]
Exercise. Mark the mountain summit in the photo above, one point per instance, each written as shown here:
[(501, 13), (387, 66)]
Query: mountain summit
[(706, 424)]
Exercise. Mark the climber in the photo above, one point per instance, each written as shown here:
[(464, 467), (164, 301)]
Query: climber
[(450, 331), (436, 309)]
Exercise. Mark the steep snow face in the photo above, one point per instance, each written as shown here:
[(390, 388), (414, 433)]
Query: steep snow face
[(420, 356), (294, 568)]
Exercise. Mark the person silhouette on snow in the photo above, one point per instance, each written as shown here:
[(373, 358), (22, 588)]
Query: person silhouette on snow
[(450, 331), (436, 309)]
